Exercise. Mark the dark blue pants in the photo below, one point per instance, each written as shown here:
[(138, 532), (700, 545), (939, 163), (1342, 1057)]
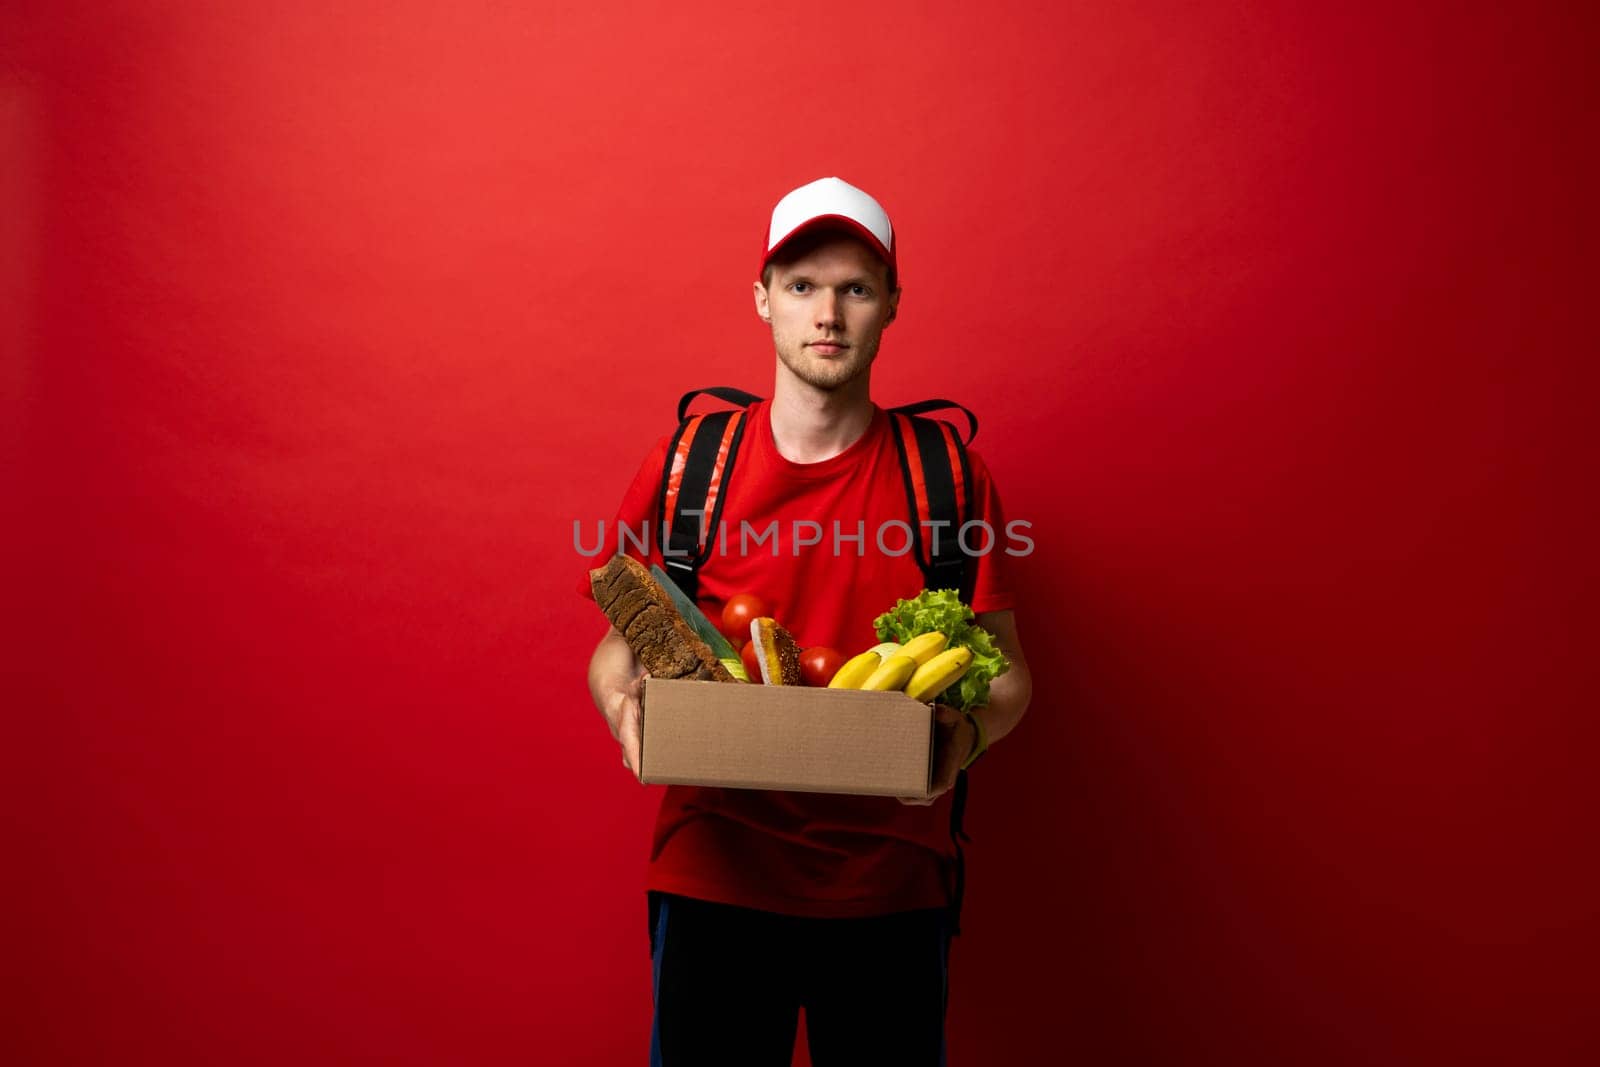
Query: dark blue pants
[(730, 983)]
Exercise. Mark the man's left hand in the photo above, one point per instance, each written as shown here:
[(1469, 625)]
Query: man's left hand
[(953, 739)]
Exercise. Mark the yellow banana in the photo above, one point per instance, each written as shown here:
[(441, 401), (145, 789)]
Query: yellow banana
[(893, 673), (924, 647), (939, 674), (856, 671)]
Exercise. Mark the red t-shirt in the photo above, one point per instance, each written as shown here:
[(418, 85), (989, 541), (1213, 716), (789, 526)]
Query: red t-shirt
[(808, 853)]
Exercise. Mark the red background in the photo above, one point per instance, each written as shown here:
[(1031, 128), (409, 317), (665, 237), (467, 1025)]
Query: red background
[(320, 330)]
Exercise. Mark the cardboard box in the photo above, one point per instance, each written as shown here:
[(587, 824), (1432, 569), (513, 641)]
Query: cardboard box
[(795, 738)]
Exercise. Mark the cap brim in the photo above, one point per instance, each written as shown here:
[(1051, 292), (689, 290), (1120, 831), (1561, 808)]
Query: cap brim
[(835, 223)]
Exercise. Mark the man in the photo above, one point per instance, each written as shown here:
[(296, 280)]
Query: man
[(766, 902)]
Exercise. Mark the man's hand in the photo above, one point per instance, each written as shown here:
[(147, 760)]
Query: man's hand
[(953, 741), (616, 682), (625, 719)]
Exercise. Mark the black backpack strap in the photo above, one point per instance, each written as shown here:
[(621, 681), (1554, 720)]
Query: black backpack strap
[(958, 834), (938, 481), (699, 462), (721, 392), (922, 407)]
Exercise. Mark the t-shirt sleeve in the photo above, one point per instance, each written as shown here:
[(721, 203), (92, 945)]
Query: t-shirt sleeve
[(992, 589), (631, 528)]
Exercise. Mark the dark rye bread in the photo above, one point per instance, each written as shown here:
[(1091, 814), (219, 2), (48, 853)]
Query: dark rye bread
[(646, 618)]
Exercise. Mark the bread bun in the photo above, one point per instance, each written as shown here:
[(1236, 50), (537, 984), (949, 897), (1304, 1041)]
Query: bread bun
[(777, 653)]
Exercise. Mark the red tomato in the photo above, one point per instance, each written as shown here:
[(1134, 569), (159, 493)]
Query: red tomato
[(752, 668), (739, 612), (818, 665)]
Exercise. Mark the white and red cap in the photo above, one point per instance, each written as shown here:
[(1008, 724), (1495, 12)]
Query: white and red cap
[(831, 203)]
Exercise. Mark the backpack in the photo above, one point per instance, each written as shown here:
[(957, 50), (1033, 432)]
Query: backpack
[(938, 480), (933, 463)]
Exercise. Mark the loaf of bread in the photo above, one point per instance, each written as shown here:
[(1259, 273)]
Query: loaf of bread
[(645, 616)]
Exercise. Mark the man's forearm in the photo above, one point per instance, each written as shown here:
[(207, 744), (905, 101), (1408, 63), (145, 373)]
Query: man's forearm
[(1010, 693), (1008, 700)]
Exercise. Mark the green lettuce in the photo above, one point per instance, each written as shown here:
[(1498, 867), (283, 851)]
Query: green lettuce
[(942, 610)]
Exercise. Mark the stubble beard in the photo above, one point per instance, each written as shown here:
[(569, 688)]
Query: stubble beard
[(828, 374)]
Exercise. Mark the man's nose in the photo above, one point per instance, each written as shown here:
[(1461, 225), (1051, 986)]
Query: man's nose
[(828, 310)]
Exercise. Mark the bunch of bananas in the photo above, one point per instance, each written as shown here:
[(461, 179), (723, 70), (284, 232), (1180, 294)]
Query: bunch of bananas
[(922, 668)]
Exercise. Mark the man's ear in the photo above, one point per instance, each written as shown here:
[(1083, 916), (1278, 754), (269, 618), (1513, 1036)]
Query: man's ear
[(894, 307), (762, 307)]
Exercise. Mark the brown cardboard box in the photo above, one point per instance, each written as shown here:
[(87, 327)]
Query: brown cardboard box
[(786, 737)]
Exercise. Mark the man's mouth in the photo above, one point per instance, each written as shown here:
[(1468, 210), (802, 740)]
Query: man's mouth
[(828, 348)]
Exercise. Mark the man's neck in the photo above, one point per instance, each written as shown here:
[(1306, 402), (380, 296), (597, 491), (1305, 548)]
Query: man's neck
[(811, 424)]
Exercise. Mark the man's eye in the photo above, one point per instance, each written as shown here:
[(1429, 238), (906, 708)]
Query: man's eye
[(859, 290), (799, 287)]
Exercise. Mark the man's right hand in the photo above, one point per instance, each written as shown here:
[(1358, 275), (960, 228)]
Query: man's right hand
[(623, 714), (616, 683)]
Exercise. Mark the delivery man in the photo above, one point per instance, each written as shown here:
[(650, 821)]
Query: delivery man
[(762, 903)]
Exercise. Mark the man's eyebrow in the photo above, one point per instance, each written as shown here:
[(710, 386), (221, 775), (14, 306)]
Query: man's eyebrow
[(854, 279)]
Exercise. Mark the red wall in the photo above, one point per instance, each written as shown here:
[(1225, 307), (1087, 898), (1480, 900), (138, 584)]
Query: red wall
[(320, 330)]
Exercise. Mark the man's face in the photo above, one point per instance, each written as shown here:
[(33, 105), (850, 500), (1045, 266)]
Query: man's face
[(828, 308)]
